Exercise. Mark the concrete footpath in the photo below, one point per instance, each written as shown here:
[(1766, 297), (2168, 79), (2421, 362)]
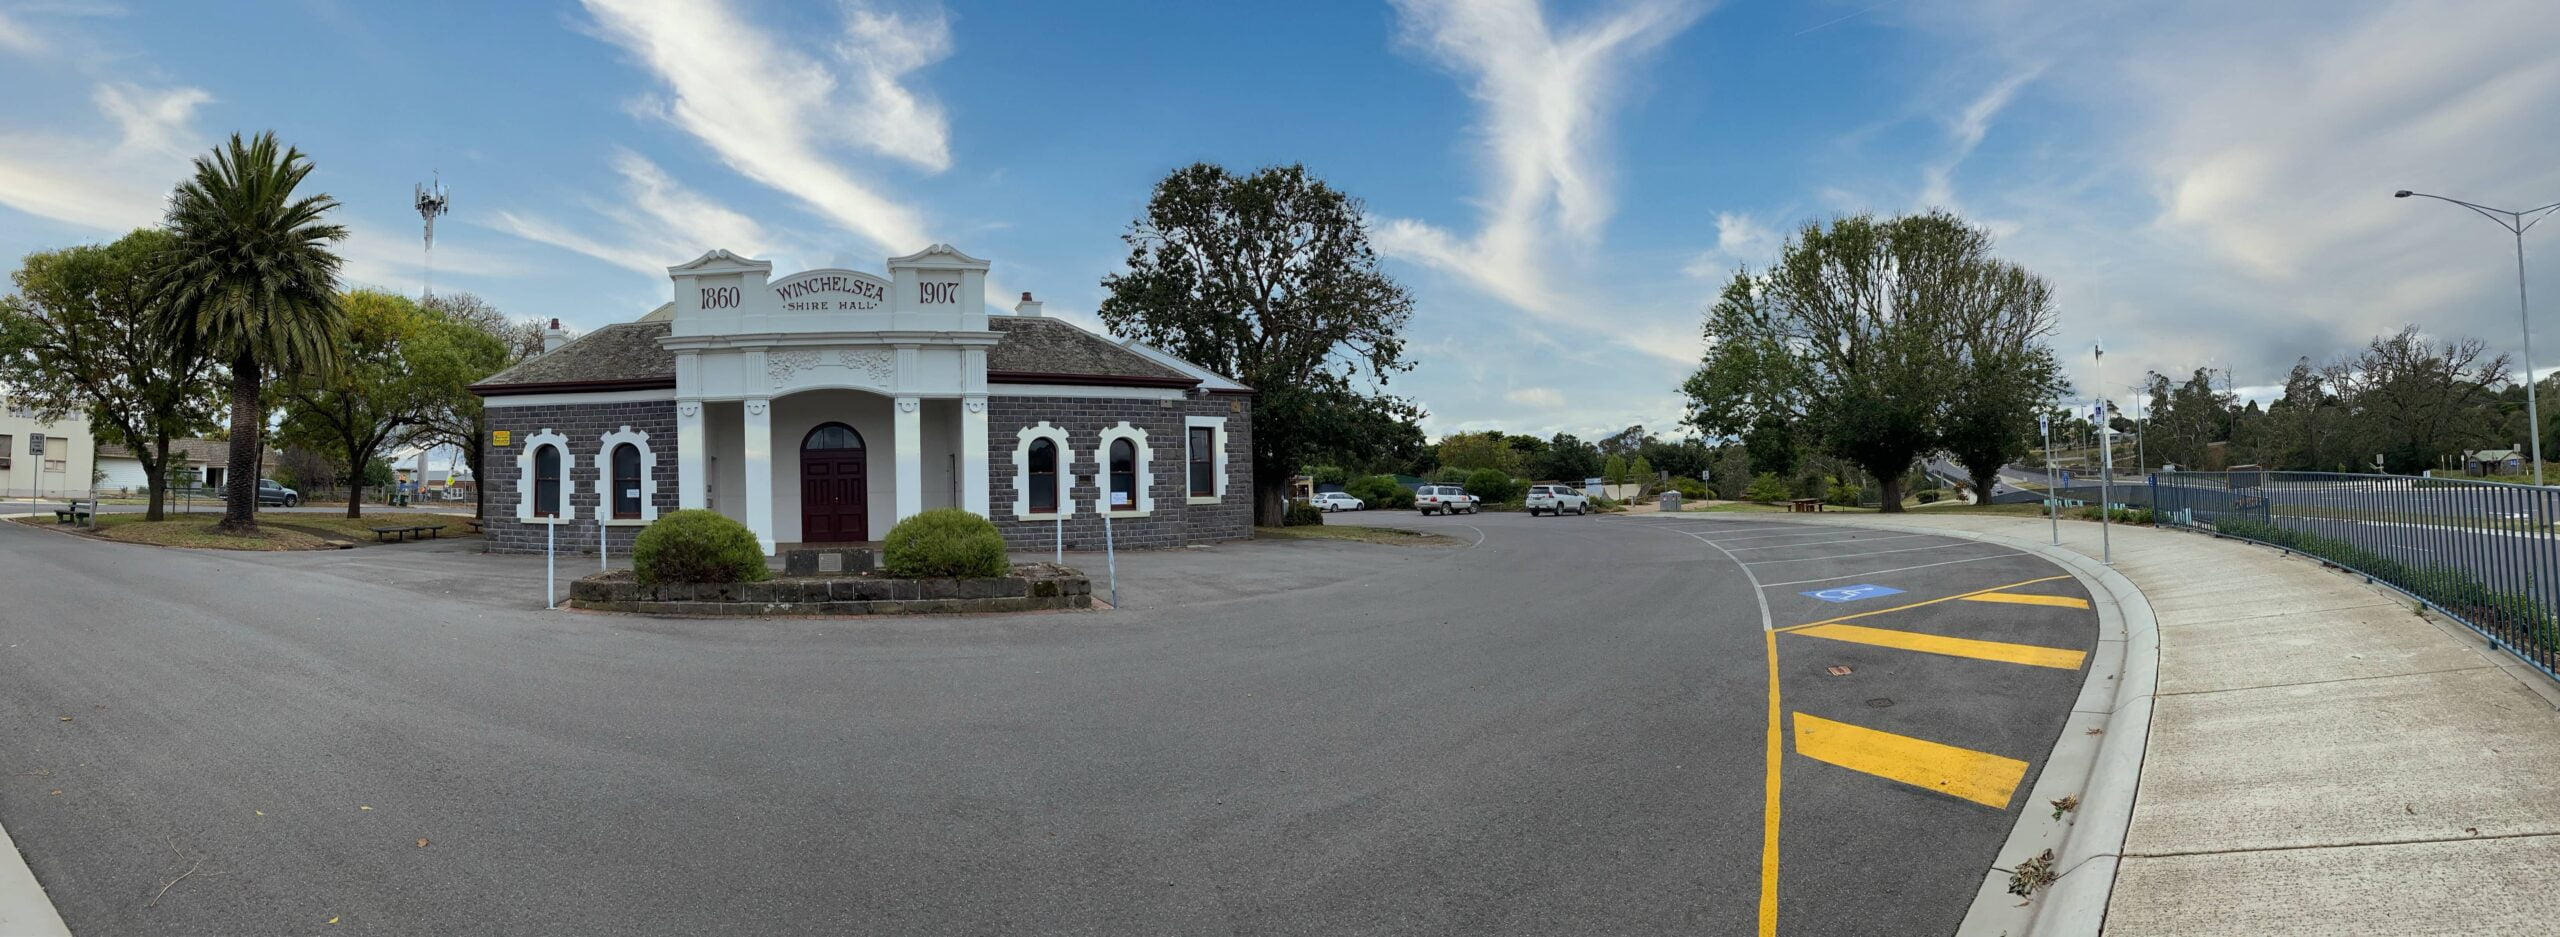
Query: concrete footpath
[(2322, 759)]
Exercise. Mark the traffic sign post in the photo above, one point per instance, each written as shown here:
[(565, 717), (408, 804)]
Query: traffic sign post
[(2052, 495)]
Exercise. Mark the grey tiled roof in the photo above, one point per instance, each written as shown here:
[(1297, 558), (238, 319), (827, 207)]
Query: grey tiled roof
[(1049, 346), (626, 351), (195, 451), (630, 352)]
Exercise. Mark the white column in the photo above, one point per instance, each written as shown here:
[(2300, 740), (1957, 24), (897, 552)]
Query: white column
[(693, 457), (973, 455), (908, 448), (759, 469)]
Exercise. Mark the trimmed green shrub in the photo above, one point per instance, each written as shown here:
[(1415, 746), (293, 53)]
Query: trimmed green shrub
[(1927, 496), (1302, 514), (1492, 485), (1380, 491), (1448, 475), (944, 543), (1689, 488), (1766, 489), (697, 546)]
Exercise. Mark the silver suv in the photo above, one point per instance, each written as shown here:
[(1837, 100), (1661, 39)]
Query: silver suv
[(1444, 499), (1556, 499)]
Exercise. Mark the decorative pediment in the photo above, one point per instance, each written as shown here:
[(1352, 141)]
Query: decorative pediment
[(940, 256), (720, 261)]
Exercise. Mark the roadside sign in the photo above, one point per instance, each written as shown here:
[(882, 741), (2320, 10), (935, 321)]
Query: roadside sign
[(1853, 593), (500, 437)]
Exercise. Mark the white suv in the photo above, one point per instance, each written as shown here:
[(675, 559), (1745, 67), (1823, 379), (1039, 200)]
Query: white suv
[(1444, 499), (1557, 499)]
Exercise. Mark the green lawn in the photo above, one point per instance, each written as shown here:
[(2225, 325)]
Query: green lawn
[(275, 531), (1392, 536)]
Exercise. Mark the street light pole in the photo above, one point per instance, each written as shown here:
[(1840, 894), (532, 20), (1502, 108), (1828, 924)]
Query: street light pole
[(2516, 223)]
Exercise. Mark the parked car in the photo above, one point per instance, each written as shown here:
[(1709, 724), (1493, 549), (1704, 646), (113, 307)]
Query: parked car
[(271, 493), (1445, 499), (1337, 501), (1557, 499)]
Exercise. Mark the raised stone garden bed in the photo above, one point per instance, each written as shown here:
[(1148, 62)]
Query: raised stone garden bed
[(1030, 587)]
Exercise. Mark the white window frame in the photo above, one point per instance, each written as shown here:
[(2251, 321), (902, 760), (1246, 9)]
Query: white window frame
[(607, 484), (1056, 436), (1142, 502), (525, 482), (1218, 466)]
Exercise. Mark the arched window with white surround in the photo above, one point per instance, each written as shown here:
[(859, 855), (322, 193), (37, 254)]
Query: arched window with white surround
[(1043, 473), (627, 474), (1123, 457), (543, 485)]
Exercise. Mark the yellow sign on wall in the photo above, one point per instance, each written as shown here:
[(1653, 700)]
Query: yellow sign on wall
[(499, 438)]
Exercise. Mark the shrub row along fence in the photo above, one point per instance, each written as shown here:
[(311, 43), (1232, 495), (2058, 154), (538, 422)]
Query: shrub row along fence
[(2485, 553)]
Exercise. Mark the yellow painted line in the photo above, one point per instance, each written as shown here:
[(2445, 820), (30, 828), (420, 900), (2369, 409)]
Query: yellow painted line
[(2029, 598), (2028, 654), (1901, 608), (1981, 777), (1769, 802)]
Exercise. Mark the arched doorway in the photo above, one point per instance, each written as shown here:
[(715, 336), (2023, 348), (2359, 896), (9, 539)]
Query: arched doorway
[(835, 489)]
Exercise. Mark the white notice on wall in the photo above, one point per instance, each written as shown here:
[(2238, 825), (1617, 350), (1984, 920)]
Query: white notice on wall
[(1120, 499), (633, 493)]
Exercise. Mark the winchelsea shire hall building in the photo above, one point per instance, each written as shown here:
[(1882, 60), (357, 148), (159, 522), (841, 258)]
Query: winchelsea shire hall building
[(827, 405)]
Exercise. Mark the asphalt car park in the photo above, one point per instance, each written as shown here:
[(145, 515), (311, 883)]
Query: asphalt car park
[(1552, 726)]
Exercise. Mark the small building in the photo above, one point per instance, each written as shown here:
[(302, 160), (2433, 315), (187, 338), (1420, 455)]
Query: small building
[(45, 458), (827, 405), (192, 461), (2507, 461)]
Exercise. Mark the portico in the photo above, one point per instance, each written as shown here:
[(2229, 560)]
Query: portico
[(899, 364)]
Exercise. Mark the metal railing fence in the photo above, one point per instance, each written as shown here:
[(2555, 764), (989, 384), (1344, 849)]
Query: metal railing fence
[(2484, 553)]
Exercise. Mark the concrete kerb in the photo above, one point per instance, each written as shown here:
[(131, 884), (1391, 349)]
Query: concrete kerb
[(25, 910), (2104, 770)]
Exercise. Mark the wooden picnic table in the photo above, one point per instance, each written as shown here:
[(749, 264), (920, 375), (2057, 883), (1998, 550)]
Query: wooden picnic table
[(1804, 505)]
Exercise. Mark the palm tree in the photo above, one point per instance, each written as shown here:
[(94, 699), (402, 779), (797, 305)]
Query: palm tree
[(252, 282)]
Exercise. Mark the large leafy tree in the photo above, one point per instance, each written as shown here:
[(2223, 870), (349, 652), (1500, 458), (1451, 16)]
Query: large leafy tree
[(2001, 316), (395, 372), (1269, 278), (250, 281), (461, 342), (80, 336), (1862, 339), (2415, 403)]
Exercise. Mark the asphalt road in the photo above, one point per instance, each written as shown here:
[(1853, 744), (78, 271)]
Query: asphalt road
[(1559, 729)]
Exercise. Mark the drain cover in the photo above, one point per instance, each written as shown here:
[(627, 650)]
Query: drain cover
[(1840, 670), (1879, 703)]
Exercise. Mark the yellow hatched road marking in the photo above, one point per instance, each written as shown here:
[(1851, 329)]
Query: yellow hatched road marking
[(1981, 777), (2028, 654), (2025, 598)]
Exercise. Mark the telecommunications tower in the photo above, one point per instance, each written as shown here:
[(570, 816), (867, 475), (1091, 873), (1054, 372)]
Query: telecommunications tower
[(432, 201)]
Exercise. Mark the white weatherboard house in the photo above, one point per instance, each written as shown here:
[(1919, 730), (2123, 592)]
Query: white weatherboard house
[(44, 459), (827, 405)]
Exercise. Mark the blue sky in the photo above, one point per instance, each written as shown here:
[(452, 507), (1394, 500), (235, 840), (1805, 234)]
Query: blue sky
[(1562, 185)]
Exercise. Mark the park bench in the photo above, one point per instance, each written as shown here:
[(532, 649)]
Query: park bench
[(78, 511), (1804, 505), (473, 523), (397, 532)]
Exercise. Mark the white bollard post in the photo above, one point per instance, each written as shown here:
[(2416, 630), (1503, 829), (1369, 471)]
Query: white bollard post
[(550, 563), (1111, 559), (1061, 557), (604, 546)]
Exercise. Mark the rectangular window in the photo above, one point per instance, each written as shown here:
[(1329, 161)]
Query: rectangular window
[(1204, 464), (1043, 477), (8, 447), (626, 482)]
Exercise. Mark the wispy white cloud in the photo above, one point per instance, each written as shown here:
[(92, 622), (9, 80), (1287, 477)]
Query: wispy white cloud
[(1740, 240), (1547, 95), (657, 223), (109, 182), (1543, 398), (1937, 188), (780, 117)]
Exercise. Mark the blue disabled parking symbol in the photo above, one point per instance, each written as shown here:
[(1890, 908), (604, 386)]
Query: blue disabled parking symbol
[(1853, 593)]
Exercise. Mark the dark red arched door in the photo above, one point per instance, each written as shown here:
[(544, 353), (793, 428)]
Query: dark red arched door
[(835, 491)]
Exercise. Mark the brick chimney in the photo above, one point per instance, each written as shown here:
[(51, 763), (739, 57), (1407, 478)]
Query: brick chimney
[(554, 336), (1028, 307)]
